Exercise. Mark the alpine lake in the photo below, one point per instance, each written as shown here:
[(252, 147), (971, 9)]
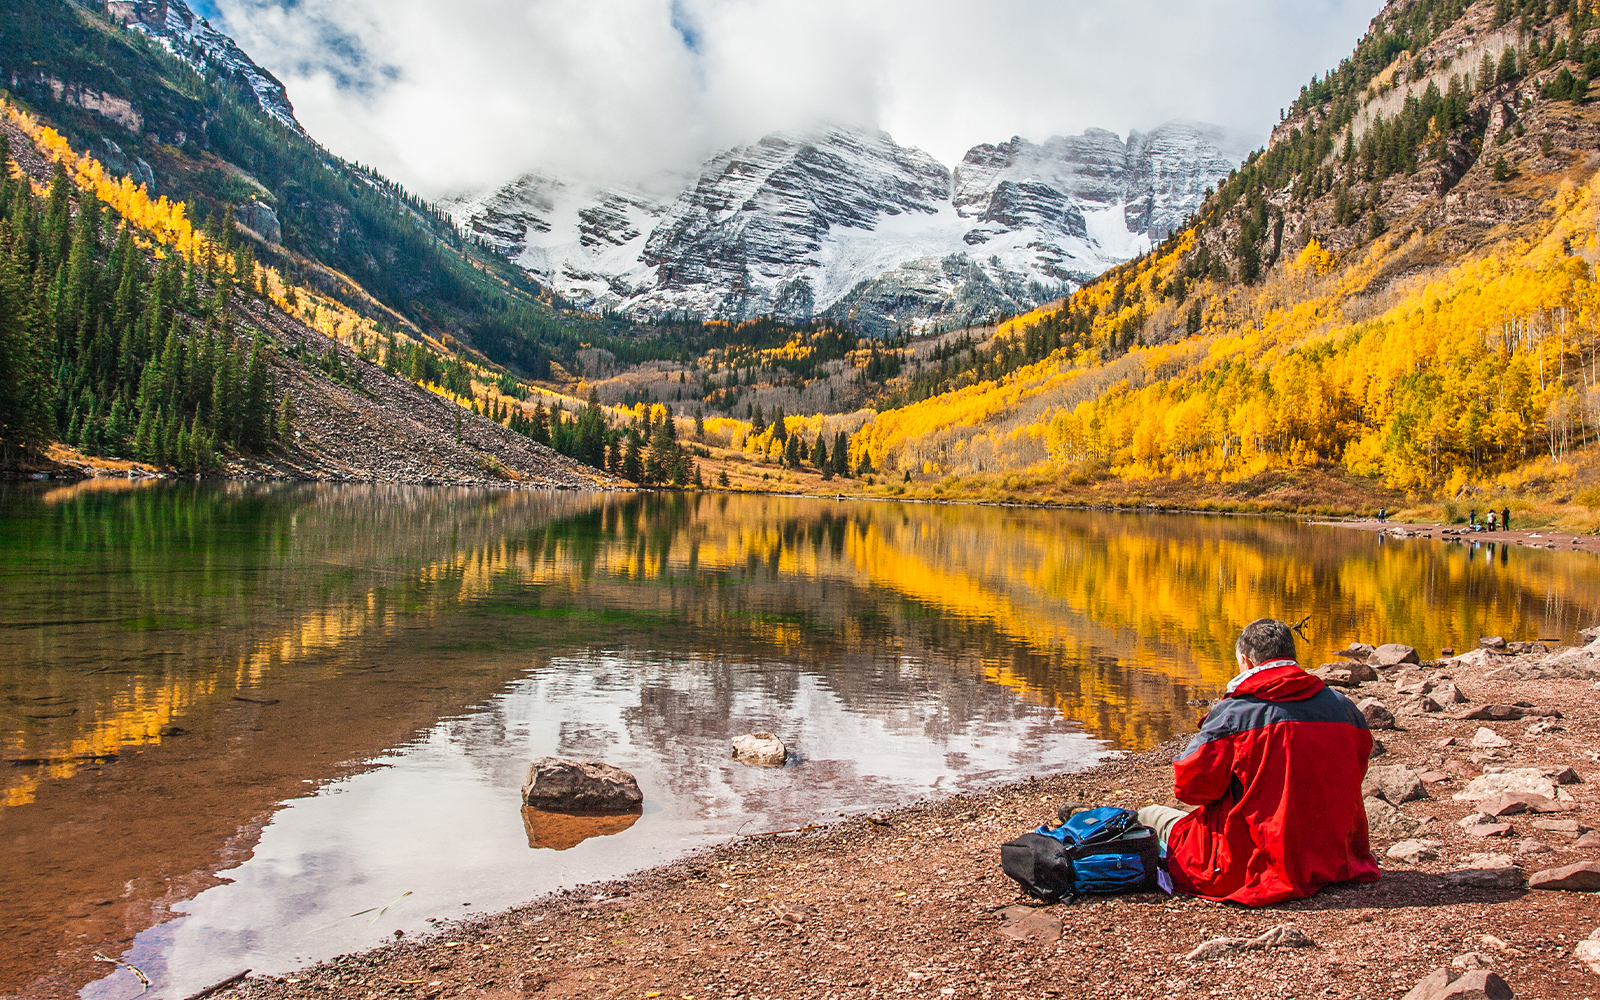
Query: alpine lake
[(254, 726)]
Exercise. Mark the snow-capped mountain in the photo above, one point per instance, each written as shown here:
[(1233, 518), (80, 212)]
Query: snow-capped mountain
[(191, 38), (846, 222)]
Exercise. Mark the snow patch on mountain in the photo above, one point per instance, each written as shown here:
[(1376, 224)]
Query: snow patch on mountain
[(845, 222), (191, 38)]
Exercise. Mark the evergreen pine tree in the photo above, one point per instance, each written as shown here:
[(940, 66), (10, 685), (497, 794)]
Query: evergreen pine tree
[(285, 428)]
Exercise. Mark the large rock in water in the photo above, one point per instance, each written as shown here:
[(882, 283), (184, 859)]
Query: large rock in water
[(761, 749), (557, 784)]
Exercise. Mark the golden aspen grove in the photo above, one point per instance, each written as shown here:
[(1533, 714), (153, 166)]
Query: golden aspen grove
[(1398, 296)]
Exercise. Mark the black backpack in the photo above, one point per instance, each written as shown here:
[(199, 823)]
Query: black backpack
[(1100, 851)]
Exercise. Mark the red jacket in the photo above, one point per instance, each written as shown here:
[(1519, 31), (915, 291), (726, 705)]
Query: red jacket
[(1277, 770)]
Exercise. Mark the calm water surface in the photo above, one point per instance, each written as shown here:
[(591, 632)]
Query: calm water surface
[(257, 726)]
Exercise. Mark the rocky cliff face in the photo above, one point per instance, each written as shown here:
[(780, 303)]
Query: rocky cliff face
[(192, 38), (846, 222)]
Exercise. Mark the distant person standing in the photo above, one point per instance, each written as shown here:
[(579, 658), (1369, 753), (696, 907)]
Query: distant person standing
[(1505, 519), (1490, 519), (1472, 519), (1383, 514)]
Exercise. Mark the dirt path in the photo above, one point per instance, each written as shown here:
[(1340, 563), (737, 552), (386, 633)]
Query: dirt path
[(910, 903)]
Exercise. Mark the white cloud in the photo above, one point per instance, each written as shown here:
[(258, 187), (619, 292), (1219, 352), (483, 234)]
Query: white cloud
[(450, 97)]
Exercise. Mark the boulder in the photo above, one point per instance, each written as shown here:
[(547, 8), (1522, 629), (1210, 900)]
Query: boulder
[(1377, 713), (1413, 851), (1512, 803), (558, 784), (1395, 784), (1588, 841), (1492, 642), (1488, 739), (261, 218), (1357, 651), (1502, 713), (1522, 779), (1568, 828), (1447, 694), (1385, 822), (760, 749), (1485, 878), (1476, 984), (1476, 658), (1392, 654), (1582, 877), (1345, 675)]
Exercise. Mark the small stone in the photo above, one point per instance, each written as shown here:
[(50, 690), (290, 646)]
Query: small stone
[(1531, 846), (1377, 713), (1522, 779), (798, 913), (1396, 784), (1029, 923), (1512, 803), (1392, 654), (1385, 822), (1476, 984), (1216, 948), (1588, 952), (760, 749), (1413, 851), (1378, 750), (1433, 777), (1489, 830), (1496, 713), (1490, 861), (1472, 960), (1282, 936), (1567, 776), (1583, 877), (1448, 694), (1487, 739), (1485, 878), (1544, 726), (576, 786), (1560, 827), (1473, 819), (1492, 642)]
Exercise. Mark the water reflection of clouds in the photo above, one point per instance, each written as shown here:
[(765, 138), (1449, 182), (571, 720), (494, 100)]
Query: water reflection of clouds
[(440, 819)]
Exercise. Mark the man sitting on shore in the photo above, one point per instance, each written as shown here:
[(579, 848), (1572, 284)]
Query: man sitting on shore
[(1276, 770)]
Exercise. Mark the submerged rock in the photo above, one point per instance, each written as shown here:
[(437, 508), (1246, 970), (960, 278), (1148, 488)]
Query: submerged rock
[(558, 784)]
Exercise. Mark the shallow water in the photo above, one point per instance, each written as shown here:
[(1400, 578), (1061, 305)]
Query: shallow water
[(255, 726)]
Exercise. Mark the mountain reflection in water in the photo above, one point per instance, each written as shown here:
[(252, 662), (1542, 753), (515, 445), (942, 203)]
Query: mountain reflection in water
[(330, 694)]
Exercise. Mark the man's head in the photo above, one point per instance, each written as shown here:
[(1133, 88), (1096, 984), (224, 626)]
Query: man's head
[(1262, 641)]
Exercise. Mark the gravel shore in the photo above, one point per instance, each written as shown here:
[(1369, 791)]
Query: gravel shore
[(914, 903)]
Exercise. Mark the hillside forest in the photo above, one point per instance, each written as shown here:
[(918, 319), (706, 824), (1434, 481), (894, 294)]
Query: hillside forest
[(1395, 298)]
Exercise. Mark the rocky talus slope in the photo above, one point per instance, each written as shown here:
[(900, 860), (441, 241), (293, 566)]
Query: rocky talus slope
[(393, 431), (1482, 797)]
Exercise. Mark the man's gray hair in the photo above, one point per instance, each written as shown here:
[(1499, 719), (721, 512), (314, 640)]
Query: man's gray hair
[(1265, 639)]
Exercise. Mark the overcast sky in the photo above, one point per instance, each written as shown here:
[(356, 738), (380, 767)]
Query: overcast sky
[(455, 95)]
